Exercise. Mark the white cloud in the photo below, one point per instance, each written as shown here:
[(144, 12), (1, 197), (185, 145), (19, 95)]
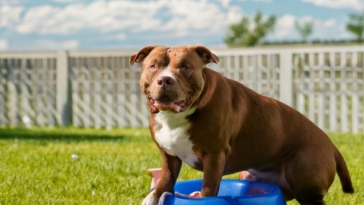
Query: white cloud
[(66, 1), (3, 44), (234, 15), (354, 4), (71, 44), (211, 20), (225, 3), (45, 44), (330, 23), (121, 36), (266, 1), (323, 28), (9, 2), (285, 27), (116, 19), (101, 15), (331, 29), (38, 19), (9, 15), (136, 16)]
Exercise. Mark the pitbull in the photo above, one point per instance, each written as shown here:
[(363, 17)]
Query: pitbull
[(219, 126)]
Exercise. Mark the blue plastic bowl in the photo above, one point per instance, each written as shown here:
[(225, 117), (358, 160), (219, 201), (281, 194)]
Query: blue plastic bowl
[(231, 192)]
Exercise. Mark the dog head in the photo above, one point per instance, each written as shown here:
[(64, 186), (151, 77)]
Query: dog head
[(172, 76)]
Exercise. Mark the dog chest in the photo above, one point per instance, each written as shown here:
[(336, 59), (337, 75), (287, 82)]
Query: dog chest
[(173, 135)]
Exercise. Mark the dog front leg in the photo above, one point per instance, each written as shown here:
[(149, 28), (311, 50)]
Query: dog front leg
[(171, 166), (213, 168)]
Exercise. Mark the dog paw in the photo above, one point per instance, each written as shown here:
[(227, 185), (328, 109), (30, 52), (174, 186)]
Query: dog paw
[(163, 197), (150, 199), (195, 194)]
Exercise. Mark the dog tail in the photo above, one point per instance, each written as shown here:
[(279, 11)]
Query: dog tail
[(343, 172)]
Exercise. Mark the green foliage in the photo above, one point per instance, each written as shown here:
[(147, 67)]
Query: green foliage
[(305, 29), (36, 166), (356, 25), (247, 32)]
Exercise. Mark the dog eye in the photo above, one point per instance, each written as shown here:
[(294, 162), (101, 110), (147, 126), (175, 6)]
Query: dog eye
[(182, 68), (152, 66)]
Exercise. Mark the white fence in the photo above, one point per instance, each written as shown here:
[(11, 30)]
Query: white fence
[(100, 89)]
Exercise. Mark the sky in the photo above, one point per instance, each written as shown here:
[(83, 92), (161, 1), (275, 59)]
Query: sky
[(127, 24)]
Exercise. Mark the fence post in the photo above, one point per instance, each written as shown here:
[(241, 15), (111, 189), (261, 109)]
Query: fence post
[(286, 78), (63, 108)]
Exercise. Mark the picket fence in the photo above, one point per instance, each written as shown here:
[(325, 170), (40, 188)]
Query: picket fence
[(100, 88)]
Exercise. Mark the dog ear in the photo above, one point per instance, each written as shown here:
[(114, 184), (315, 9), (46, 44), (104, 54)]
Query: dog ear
[(139, 57), (206, 55)]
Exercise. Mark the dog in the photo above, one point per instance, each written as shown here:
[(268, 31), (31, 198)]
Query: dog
[(219, 126)]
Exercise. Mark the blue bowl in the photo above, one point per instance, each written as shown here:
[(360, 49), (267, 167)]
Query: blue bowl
[(231, 192)]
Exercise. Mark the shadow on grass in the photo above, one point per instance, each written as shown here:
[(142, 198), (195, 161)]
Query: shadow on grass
[(64, 135), (66, 138)]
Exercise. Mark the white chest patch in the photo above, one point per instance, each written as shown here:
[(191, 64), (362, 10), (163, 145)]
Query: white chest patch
[(173, 136)]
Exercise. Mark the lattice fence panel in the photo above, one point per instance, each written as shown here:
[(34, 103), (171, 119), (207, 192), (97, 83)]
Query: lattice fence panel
[(329, 89), (328, 85), (106, 93), (259, 72), (3, 94), (28, 92)]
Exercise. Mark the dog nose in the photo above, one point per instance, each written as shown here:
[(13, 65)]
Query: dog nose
[(165, 81)]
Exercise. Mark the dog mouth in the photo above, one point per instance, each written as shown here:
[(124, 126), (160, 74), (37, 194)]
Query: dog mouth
[(165, 103)]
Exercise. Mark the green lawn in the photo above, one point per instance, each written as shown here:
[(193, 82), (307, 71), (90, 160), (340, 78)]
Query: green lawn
[(36, 166)]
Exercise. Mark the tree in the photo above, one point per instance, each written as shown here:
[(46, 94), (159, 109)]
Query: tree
[(248, 32), (304, 30), (356, 25)]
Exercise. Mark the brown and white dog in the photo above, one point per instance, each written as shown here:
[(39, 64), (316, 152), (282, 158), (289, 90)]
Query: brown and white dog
[(219, 126)]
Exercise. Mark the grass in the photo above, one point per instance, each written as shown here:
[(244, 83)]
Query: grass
[(36, 166)]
